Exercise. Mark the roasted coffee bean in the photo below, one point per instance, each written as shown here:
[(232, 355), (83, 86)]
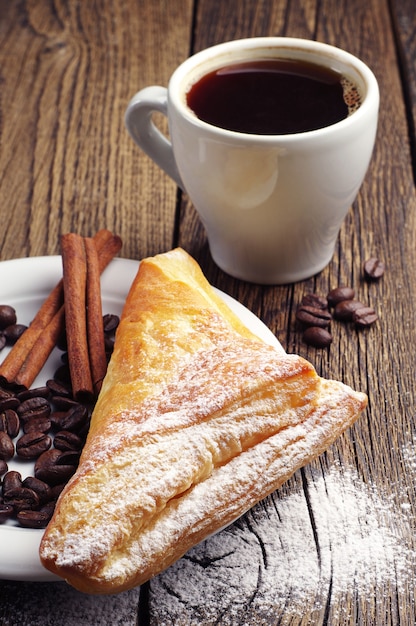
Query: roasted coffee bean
[(345, 310), (42, 490), (8, 402), (7, 316), (32, 445), (364, 317), (58, 389), (62, 403), (14, 332), (66, 440), (3, 467), (11, 480), (110, 322), (311, 316), (374, 269), (3, 340), (34, 407), (317, 337), (38, 392), (6, 447), (21, 499), (37, 424), (10, 423), (54, 467), (339, 294), (6, 512), (56, 418), (75, 419), (33, 519), (315, 300)]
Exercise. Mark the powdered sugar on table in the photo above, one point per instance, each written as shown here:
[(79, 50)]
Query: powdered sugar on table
[(291, 554)]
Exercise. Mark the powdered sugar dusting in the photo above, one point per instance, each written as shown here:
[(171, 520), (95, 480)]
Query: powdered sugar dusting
[(275, 559)]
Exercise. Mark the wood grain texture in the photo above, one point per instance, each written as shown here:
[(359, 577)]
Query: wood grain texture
[(67, 163), (68, 69)]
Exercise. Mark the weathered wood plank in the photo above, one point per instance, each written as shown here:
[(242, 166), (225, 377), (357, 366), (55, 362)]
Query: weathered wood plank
[(69, 70)]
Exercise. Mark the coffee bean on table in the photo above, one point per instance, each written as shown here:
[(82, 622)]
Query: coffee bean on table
[(3, 467), (42, 490), (7, 316), (75, 419), (57, 388), (3, 340), (110, 322), (33, 519), (54, 467), (314, 300), (66, 440), (11, 480), (38, 392), (32, 445), (339, 294), (364, 317), (6, 447), (344, 310), (34, 407), (8, 402), (14, 332), (374, 269), (37, 424), (317, 337), (21, 498), (10, 422), (312, 316)]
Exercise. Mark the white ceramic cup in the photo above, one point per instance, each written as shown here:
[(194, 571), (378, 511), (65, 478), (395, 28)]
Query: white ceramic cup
[(272, 205)]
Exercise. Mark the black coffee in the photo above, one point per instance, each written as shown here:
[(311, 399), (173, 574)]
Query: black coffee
[(272, 97)]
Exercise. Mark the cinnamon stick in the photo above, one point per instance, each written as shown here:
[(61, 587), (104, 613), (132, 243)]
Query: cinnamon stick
[(95, 324), (74, 264), (27, 356), (41, 350), (108, 245), (15, 359)]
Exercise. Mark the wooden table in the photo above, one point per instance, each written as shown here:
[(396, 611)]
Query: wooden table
[(335, 544)]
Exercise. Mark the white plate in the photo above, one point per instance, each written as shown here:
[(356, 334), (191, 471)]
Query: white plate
[(24, 284)]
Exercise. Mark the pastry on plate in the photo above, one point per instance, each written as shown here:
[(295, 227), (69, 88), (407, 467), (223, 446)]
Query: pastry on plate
[(197, 420)]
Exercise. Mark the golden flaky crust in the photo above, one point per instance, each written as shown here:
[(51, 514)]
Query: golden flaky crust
[(196, 422)]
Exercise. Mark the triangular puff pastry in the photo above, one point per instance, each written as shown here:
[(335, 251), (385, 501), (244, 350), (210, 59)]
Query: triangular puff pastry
[(196, 422)]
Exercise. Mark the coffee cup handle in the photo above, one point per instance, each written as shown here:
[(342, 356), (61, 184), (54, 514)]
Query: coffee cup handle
[(140, 125)]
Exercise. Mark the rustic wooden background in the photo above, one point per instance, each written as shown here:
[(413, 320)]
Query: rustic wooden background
[(67, 70)]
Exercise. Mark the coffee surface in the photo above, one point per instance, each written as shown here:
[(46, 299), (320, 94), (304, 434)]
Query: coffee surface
[(272, 97)]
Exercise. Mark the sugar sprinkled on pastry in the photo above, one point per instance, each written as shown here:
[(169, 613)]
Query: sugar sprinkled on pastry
[(197, 420)]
